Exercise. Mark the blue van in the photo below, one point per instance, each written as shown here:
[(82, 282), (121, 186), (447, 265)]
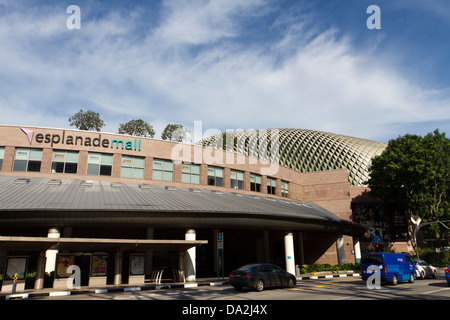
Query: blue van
[(394, 267)]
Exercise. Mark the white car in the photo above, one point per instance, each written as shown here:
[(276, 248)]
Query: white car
[(424, 269)]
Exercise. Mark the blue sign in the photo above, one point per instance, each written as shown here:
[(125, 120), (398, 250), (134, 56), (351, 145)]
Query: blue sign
[(377, 239)]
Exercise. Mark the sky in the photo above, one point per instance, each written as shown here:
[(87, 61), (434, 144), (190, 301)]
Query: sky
[(233, 65)]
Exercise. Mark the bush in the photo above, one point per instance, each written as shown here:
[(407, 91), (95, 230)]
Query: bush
[(441, 259), (327, 267)]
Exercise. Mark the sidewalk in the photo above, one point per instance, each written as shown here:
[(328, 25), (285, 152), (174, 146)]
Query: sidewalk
[(50, 292)]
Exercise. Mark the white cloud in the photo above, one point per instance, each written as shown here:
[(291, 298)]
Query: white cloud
[(194, 66)]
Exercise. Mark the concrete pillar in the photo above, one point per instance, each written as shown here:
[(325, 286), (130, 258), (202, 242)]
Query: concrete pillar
[(289, 252), (118, 268), (340, 248), (357, 250), (190, 257), (300, 252), (149, 253), (51, 254), (39, 282), (215, 253), (266, 246), (181, 266)]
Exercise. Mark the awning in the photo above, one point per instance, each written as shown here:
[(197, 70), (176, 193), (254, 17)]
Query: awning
[(93, 244)]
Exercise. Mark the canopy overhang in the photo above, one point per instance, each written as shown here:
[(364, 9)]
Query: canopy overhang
[(93, 244)]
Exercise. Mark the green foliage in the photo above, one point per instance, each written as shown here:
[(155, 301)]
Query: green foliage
[(86, 120), (174, 132), (31, 277), (327, 267), (441, 259), (414, 172), (138, 128)]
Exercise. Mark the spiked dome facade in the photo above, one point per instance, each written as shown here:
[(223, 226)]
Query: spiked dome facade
[(304, 150)]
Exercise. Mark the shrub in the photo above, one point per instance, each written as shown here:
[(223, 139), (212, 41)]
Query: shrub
[(327, 267)]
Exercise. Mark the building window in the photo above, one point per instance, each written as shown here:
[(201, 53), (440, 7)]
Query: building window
[(215, 176), (132, 167), (28, 160), (64, 161), (255, 182), (190, 173), (162, 170), (284, 189), (99, 164), (236, 179), (2, 155), (271, 185)]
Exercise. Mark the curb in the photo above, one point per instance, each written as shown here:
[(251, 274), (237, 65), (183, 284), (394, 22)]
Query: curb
[(315, 276), (312, 276), (102, 291)]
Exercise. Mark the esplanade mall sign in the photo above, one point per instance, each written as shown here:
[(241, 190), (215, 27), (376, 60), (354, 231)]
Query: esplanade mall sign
[(95, 140)]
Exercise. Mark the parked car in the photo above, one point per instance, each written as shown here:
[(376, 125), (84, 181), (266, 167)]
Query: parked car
[(424, 269), (261, 276), (394, 267), (447, 275)]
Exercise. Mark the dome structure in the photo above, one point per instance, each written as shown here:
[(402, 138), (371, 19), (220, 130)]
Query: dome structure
[(304, 150)]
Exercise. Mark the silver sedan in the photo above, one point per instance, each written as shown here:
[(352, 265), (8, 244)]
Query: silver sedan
[(424, 269)]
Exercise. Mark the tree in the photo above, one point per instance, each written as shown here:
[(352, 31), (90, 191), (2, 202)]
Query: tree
[(414, 172), (137, 128), (86, 120), (175, 132)]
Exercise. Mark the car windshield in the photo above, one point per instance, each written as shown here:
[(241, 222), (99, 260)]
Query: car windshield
[(420, 262), (372, 259)]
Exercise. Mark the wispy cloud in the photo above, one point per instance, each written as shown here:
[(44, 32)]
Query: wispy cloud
[(202, 60)]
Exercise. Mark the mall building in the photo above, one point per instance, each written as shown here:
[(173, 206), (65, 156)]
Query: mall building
[(126, 209)]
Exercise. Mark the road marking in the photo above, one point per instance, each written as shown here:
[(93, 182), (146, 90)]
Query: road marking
[(436, 291)]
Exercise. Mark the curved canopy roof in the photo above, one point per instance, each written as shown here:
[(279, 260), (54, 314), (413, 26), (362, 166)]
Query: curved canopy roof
[(40, 201), (304, 150)]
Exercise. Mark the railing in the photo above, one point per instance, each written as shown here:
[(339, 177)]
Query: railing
[(156, 276)]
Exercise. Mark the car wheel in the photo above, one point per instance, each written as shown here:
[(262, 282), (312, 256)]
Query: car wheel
[(434, 274), (422, 275), (394, 280), (290, 283), (411, 278), (259, 285)]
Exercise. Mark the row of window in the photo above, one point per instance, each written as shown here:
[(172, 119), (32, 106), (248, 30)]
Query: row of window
[(133, 167)]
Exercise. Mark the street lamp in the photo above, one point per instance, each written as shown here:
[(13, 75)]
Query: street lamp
[(416, 222)]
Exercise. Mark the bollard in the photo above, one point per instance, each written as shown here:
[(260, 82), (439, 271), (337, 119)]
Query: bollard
[(16, 276)]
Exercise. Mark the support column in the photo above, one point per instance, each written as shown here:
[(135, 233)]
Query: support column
[(266, 246), (215, 254), (300, 251), (51, 254), (118, 268), (340, 248), (190, 257), (357, 250), (149, 253), (289, 252), (39, 282), (181, 266)]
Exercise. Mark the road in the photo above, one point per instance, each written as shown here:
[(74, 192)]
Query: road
[(352, 288)]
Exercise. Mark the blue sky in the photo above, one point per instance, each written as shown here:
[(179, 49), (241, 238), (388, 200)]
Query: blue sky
[(231, 64)]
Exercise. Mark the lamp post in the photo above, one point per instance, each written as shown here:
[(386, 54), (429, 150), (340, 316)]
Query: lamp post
[(417, 224)]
